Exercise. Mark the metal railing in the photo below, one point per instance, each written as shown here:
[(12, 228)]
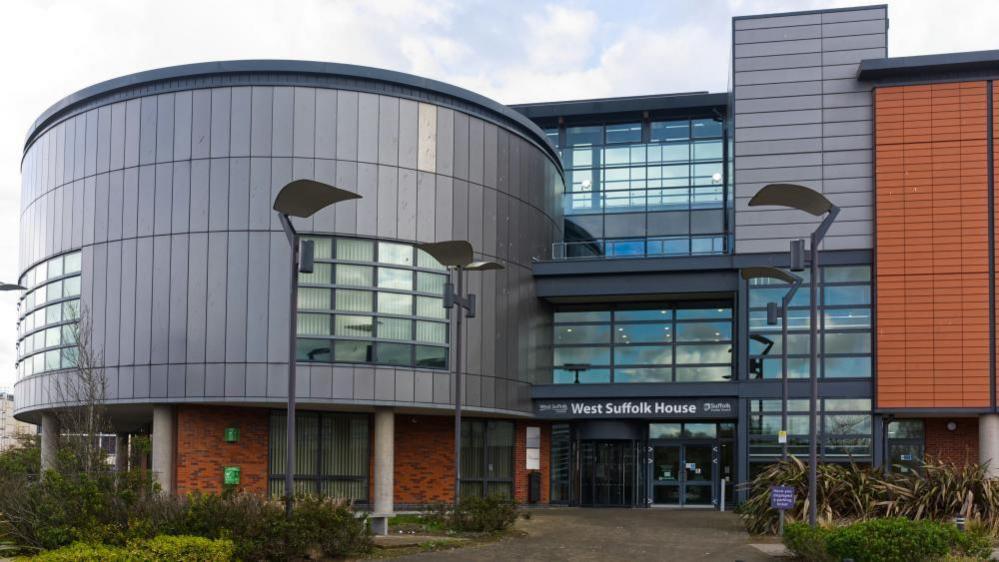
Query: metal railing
[(653, 247)]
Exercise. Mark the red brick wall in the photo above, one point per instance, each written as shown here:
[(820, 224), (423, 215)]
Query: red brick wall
[(520, 472), (959, 446), (202, 451)]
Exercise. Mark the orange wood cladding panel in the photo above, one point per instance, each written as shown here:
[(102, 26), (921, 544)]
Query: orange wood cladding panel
[(932, 249)]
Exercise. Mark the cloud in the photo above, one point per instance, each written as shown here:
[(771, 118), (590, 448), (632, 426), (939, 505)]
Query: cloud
[(560, 37)]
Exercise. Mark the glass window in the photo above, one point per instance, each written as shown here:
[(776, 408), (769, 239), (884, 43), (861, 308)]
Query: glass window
[(314, 324), (643, 333), (398, 254), (430, 283), (356, 275), (643, 374), (431, 357), (395, 354), (316, 299), (583, 316), (703, 374), (332, 454), (322, 247), (847, 295), (395, 329), (354, 326), (487, 457), (313, 350), (392, 303), (905, 429), (665, 431), (704, 331), (643, 355), (72, 263), (426, 261), (322, 273), (704, 353), (389, 278), (582, 334), (624, 132), (584, 135), (353, 351), (705, 128), (700, 430), (433, 332), (654, 315), (670, 130), (585, 355), (430, 307), (354, 301), (355, 250)]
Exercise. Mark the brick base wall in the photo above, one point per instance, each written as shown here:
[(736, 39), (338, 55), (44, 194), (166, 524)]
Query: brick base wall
[(202, 452), (520, 472), (959, 446)]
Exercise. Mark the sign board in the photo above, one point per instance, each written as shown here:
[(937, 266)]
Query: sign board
[(649, 408), (230, 475), (782, 436), (782, 497), (231, 434), (533, 442), (534, 459)]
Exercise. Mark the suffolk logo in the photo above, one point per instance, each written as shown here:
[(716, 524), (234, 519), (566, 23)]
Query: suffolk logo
[(717, 408)]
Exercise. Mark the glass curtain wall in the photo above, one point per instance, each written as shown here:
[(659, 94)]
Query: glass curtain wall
[(654, 188), (372, 302), (906, 445), (668, 343), (487, 458), (845, 328), (47, 316), (331, 454)]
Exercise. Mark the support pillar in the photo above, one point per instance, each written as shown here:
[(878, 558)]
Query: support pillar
[(121, 453), (988, 443), (50, 442), (384, 469), (163, 439)]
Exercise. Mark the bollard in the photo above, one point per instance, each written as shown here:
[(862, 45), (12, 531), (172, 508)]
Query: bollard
[(959, 521)]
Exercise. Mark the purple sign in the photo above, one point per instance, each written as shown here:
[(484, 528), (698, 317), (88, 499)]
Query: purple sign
[(782, 497)]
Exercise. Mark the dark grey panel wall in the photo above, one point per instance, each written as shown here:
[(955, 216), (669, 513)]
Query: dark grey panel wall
[(802, 117), (184, 262)]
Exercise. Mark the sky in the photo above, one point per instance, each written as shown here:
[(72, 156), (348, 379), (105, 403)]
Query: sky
[(512, 50)]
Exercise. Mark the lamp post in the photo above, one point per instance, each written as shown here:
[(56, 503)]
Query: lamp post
[(457, 256), (772, 314), (810, 201), (300, 198)]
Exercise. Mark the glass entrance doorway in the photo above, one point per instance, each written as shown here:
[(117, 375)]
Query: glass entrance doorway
[(683, 475), (608, 473)]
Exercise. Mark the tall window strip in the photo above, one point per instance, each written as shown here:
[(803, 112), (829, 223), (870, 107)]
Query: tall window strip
[(331, 454), (372, 302), (487, 458), (47, 316), (669, 343)]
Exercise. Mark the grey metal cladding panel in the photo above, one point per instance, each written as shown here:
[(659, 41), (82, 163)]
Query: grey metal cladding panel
[(778, 62), (325, 219), (321, 381), (80, 143), (164, 127), (366, 212), (257, 293), (221, 104), (837, 114), (778, 76), (850, 99), (444, 208), (236, 297), (489, 162), (780, 174), (786, 117), (177, 338), (201, 127), (126, 348), (841, 71), (461, 145), (158, 381), (304, 128), (146, 200), (872, 41), (784, 33), (404, 385), (406, 213), (489, 223), (112, 309), (100, 211), (850, 128), (68, 216), (345, 214), (277, 381), (280, 285), (852, 56), (423, 387), (239, 129), (180, 197), (195, 383), (475, 215), (200, 174), (160, 333), (845, 29), (239, 193), (388, 130), (235, 380), (214, 380), (69, 160), (442, 388), (854, 15), (90, 149), (836, 171), (779, 132), (116, 183), (857, 142), (215, 306), (143, 299), (89, 197), (776, 21), (98, 296), (140, 381), (103, 140), (777, 161), (346, 125), (842, 86), (408, 133), (475, 151), (426, 205), (218, 198), (176, 381), (503, 161), (778, 48), (445, 141), (282, 122), (384, 384), (343, 382), (778, 90), (364, 383), (281, 174), (259, 196), (325, 125), (147, 131), (125, 382), (182, 115), (752, 148), (262, 108), (256, 380), (847, 157), (164, 199), (388, 202), (197, 296), (367, 128), (848, 185), (472, 391)]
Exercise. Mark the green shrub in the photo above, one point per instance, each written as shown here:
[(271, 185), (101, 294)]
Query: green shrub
[(475, 514), (806, 542), (83, 552), (158, 549), (327, 526), (975, 542), (892, 540)]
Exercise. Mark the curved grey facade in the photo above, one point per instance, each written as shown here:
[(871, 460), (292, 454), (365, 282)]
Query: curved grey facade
[(164, 181)]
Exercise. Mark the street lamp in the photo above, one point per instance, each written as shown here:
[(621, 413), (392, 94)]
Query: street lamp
[(300, 198), (772, 314), (457, 256), (810, 201)]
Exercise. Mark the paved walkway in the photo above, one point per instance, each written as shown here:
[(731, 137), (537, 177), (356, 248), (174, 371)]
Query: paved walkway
[(633, 535)]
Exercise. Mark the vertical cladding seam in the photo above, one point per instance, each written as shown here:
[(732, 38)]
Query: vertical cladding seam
[(990, 162)]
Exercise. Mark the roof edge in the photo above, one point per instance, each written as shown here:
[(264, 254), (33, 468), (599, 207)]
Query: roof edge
[(873, 69)]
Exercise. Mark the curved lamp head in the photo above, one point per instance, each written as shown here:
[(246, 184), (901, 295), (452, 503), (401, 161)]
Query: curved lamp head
[(794, 196), (768, 273), (12, 287), (303, 198), (451, 253), (483, 266)]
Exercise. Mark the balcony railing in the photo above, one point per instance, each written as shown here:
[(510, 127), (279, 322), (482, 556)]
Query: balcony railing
[(644, 200), (656, 247)]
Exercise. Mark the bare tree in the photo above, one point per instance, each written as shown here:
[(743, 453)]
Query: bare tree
[(82, 394)]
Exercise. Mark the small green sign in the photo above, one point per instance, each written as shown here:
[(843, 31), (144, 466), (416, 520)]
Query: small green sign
[(231, 434), (230, 475)]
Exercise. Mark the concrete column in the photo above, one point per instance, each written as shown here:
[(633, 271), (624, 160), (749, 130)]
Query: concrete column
[(384, 468), (121, 453), (163, 439), (988, 443), (50, 442)]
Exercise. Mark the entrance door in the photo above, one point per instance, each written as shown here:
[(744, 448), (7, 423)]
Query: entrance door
[(683, 474), (607, 473)]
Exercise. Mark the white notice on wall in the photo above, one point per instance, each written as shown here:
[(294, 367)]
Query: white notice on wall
[(533, 437), (534, 459)]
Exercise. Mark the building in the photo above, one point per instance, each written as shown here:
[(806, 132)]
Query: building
[(619, 355), (11, 429)]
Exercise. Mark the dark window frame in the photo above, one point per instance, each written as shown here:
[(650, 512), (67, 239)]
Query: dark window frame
[(484, 482)]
